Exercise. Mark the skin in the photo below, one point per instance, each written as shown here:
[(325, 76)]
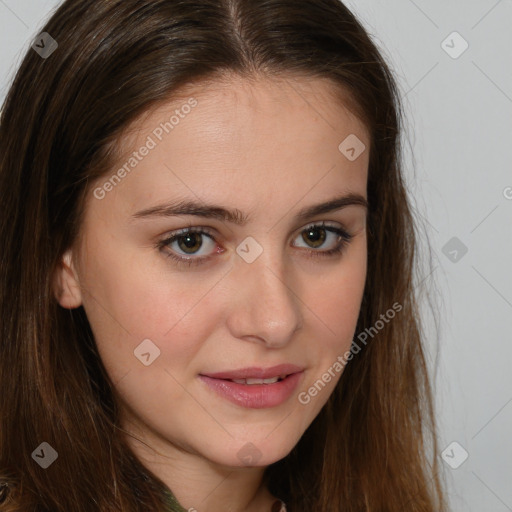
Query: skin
[(268, 148)]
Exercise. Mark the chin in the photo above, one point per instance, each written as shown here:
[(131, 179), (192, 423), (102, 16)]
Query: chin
[(260, 452)]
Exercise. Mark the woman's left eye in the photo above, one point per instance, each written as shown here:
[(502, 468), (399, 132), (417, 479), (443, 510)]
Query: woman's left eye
[(319, 233), (191, 240)]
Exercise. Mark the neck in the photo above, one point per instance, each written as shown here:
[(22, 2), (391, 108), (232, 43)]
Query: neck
[(201, 485)]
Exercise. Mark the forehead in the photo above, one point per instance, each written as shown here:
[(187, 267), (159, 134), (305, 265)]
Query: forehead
[(243, 136), (258, 98)]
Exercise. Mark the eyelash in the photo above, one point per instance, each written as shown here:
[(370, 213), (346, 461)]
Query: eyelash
[(345, 239)]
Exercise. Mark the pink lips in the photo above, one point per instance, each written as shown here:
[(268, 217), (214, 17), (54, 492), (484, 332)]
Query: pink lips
[(255, 396)]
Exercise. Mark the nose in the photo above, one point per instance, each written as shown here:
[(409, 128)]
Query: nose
[(265, 308)]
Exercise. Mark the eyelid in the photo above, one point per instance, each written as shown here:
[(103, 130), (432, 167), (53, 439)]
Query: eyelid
[(173, 235)]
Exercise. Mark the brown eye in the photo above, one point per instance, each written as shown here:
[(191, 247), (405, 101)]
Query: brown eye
[(189, 243), (324, 240), (314, 236), (184, 245)]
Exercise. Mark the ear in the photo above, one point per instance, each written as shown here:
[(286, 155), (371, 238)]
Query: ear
[(66, 286)]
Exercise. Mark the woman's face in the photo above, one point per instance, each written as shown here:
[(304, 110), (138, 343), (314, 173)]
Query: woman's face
[(250, 294)]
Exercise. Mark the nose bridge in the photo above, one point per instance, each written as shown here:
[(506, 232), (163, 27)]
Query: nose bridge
[(265, 303)]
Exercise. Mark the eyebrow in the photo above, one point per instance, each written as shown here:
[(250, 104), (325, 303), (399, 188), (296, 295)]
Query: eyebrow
[(235, 216)]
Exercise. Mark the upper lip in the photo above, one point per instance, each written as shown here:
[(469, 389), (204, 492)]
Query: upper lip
[(255, 372)]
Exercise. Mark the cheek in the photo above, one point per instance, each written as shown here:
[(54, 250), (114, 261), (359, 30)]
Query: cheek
[(338, 314), (127, 302), (338, 310), (336, 300), (337, 303)]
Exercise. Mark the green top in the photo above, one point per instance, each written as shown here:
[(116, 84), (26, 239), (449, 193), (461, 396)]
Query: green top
[(172, 502), (174, 506)]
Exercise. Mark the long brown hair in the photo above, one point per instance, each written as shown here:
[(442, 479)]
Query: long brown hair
[(368, 449)]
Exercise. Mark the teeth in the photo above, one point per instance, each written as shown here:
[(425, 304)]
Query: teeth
[(272, 380)]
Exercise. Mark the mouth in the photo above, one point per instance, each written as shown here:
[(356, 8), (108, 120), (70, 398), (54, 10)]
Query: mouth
[(253, 381), (253, 373), (255, 388)]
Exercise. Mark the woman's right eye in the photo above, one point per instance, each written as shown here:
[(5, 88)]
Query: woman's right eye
[(189, 241)]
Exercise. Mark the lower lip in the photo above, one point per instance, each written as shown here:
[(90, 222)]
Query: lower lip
[(254, 396)]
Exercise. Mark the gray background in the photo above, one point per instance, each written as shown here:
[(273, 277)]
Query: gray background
[(458, 155)]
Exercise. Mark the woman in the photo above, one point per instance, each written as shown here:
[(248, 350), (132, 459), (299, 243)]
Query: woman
[(207, 294)]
